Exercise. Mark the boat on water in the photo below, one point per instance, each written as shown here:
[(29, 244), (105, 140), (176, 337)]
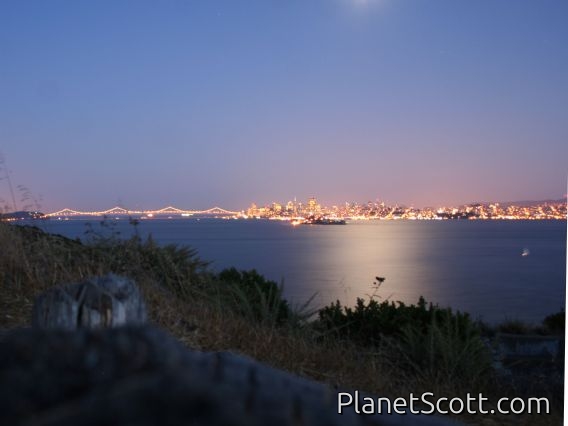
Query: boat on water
[(311, 220)]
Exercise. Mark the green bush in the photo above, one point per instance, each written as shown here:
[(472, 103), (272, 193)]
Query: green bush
[(423, 341), (449, 352), (252, 295), (368, 321), (555, 323), (178, 268)]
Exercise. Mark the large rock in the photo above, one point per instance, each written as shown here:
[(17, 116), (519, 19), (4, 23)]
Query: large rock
[(106, 301), (142, 376), (75, 367)]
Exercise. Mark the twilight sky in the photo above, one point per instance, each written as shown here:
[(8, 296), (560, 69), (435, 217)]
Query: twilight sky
[(203, 102)]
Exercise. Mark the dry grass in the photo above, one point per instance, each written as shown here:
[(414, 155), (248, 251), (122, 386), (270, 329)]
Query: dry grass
[(33, 261), (174, 283)]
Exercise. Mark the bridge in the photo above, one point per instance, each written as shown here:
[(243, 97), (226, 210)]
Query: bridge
[(166, 211)]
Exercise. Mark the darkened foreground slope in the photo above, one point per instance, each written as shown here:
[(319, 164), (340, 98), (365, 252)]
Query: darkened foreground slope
[(140, 375), (244, 313)]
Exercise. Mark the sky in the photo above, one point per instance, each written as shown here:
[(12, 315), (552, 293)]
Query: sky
[(197, 103)]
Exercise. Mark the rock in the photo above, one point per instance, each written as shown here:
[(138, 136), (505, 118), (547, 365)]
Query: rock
[(88, 360), (139, 375), (107, 301)]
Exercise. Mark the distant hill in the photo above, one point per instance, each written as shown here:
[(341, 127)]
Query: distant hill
[(22, 215), (524, 203)]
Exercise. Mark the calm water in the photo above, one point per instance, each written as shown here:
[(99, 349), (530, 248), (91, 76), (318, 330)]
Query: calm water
[(475, 266)]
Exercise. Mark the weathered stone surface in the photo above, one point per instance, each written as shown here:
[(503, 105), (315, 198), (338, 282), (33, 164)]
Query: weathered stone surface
[(76, 367), (107, 301), (141, 376)]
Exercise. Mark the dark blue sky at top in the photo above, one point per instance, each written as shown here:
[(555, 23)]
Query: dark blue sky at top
[(202, 103)]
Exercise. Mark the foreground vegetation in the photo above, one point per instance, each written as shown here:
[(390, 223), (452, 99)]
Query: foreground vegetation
[(382, 347)]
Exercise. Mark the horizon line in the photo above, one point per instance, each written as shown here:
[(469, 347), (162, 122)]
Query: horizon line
[(220, 210)]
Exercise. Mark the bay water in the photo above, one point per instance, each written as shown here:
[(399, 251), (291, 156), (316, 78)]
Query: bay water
[(495, 270)]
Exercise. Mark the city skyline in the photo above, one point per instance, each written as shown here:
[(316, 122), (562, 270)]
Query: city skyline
[(311, 208), (33, 203), (218, 103)]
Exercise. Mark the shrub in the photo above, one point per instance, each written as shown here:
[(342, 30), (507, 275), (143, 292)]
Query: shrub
[(448, 353), (368, 322), (250, 294), (555, 323), (178, 268), (432, 345)]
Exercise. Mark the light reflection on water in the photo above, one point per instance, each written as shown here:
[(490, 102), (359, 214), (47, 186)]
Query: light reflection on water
[(470, 265)]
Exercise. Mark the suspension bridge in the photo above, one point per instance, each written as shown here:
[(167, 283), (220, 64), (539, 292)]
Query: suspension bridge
[(166, 211)]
